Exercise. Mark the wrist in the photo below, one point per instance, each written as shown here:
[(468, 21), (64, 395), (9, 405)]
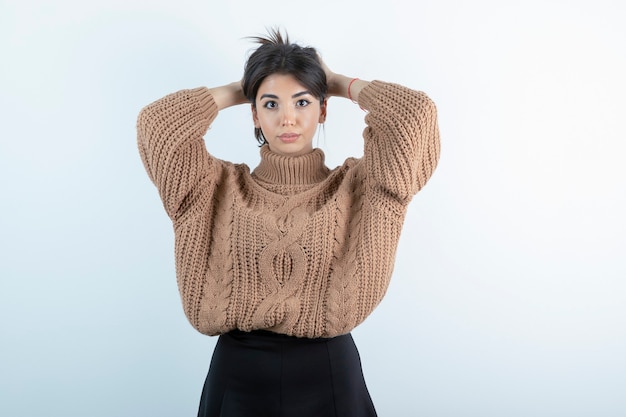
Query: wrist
[(347, 87), (236, 91), (228, 95)]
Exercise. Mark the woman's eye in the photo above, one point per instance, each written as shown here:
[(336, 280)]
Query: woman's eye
[(303, 103), (270, 105)]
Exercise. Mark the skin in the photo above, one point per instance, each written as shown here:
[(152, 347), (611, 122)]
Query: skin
[(289, 111), (288, 115)]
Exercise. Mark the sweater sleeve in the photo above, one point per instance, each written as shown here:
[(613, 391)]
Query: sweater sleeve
[(170, 139), (401, 139)]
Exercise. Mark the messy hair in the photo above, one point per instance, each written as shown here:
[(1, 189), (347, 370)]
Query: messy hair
[(276, 55)]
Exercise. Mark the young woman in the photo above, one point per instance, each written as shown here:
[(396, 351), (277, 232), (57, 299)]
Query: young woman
[(284, 261)]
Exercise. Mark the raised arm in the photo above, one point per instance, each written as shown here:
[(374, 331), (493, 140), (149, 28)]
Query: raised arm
[(170, 139), (402, 143)]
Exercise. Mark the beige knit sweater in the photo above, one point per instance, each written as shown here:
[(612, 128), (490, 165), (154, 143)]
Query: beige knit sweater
[(292, 247)]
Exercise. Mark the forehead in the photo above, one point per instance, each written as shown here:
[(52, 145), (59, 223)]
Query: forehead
[(280, 83)]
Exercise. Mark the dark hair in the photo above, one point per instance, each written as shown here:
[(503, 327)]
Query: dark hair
[(277, 56)]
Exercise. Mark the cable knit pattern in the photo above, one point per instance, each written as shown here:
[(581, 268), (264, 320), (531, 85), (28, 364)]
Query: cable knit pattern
[(293, 246)]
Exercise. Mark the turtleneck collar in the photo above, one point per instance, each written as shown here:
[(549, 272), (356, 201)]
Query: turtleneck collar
[(291, 170)]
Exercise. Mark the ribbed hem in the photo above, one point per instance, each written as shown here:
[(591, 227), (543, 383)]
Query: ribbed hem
[(293, 170)]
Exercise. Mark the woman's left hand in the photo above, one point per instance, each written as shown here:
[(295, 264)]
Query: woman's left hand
[(331, 79), (341, 86)]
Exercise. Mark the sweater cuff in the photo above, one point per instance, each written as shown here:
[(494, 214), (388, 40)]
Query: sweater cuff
[(367, 96), (205, 101)]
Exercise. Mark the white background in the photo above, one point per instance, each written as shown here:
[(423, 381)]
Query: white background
[(508, 297)]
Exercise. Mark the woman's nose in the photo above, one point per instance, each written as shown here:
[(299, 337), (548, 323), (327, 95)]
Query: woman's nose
[(288, 117)]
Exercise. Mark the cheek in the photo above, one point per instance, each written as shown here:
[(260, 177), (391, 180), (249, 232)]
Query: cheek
[(312, 120), (268, 119)]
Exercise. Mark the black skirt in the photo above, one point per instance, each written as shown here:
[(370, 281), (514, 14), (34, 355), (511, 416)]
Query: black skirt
[(260, 373)]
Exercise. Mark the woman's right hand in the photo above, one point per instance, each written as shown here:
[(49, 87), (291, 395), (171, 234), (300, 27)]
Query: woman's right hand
[(228, 95)]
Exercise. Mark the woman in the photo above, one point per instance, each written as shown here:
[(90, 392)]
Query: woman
[(284, 261)]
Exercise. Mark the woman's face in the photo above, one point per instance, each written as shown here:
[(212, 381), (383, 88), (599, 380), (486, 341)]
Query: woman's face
[(287, 114)]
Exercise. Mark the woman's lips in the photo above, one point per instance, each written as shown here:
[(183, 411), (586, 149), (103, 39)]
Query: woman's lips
[(289, 137)]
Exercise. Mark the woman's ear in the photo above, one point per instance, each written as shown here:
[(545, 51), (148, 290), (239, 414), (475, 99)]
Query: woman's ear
[(255, 117), (323, 107)]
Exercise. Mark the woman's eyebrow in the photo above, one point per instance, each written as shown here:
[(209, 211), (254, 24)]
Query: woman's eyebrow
[(274, 96), (301, 93)]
